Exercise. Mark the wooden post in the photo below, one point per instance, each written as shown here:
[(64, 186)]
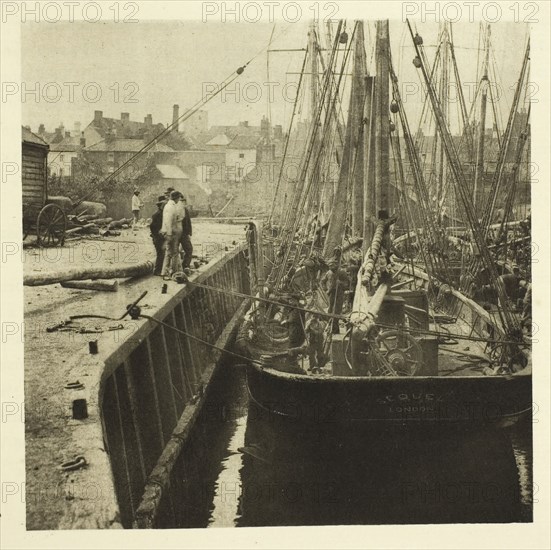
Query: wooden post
[(123, 444), (134, 413), (107, 285), (112, 272), (158, 417), (168, 371)]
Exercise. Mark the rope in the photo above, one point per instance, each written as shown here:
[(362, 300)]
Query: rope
[(200, 340)]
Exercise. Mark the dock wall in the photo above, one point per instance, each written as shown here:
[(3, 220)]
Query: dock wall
[(146, 393)]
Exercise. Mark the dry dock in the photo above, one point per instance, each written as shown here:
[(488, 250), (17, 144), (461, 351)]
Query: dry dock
[(93, 448)]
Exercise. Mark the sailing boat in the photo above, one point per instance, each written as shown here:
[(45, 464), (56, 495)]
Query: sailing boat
[(379, 342)]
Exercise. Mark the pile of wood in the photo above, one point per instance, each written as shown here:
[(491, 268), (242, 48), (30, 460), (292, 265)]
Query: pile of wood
[(92, 224)]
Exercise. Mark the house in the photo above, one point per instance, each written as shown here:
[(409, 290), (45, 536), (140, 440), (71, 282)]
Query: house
[(111, 153), (197, 193), (102, 127), (205, 168), (218, 143), (241, 157), (34, 153), (62, 153)]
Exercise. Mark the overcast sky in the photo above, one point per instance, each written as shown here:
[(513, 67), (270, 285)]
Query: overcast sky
[(149, 66)]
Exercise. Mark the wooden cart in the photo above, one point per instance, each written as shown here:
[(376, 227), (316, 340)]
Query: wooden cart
[(46, 220)]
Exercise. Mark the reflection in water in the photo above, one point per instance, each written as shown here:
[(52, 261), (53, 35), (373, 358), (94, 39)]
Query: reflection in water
[(246, 470)]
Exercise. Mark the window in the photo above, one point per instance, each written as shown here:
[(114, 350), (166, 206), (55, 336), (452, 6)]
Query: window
[(241, 155)]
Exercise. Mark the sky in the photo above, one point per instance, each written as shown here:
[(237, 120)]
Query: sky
[(147, 67)]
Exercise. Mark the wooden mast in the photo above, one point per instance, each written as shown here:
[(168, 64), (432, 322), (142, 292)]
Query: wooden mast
[(359, 83), (382, 118), (366, 305), (479, 172), (349, 162)]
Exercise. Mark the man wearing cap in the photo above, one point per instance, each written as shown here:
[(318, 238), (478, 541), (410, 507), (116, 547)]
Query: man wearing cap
[(158, 239), (136, 205), (172, 233), (185, 240), (167, 193)]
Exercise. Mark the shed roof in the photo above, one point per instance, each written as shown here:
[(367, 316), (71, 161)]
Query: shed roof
[(244, 142), (30, 137), (170, 171)]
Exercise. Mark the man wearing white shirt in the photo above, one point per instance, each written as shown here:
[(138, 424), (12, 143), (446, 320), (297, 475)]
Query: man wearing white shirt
[(136, 206), (172, 232)]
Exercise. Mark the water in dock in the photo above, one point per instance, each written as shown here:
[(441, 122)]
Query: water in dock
[(225, 477)]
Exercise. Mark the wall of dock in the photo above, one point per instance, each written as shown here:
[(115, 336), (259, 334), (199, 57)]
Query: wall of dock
[(146, 392)]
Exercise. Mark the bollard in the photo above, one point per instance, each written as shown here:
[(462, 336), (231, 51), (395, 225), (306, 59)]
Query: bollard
[(93, 347), (164, 289), (80, 409)]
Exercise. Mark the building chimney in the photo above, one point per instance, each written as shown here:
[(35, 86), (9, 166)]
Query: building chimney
[(148, 121), (98, 115), (278, 131), (77, 129), (125, 117), (82, 140), (41, 129), (175, 117)]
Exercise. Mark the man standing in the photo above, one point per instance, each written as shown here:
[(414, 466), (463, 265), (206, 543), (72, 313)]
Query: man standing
[(187, 247), (172, 233), (158, 239), (136, 206)]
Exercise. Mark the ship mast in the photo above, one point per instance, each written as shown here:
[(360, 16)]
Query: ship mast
[(479, 172), (382, 118)]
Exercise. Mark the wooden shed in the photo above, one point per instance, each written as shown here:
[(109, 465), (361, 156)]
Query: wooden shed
[(34, 173), (46, 219)]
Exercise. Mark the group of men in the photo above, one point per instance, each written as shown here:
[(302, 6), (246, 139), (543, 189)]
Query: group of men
[(171, 228)]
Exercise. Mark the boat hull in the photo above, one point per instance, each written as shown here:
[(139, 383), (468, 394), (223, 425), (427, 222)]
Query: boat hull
[(466, 402)]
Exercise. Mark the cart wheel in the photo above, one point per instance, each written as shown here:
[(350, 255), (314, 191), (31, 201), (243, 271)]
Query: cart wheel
[(51, 225)]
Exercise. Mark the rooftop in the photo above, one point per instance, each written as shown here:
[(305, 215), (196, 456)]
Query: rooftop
[(171, 172), (120, 145), (30, 137)]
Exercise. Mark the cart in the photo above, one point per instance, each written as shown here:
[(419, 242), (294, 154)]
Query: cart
[(40, 216), (47, 221)]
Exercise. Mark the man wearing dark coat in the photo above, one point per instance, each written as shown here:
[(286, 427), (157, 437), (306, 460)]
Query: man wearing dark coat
[(185, 241), (158, 239)]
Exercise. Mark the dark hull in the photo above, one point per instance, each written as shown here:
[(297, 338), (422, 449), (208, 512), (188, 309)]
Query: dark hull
[(467, 402)]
